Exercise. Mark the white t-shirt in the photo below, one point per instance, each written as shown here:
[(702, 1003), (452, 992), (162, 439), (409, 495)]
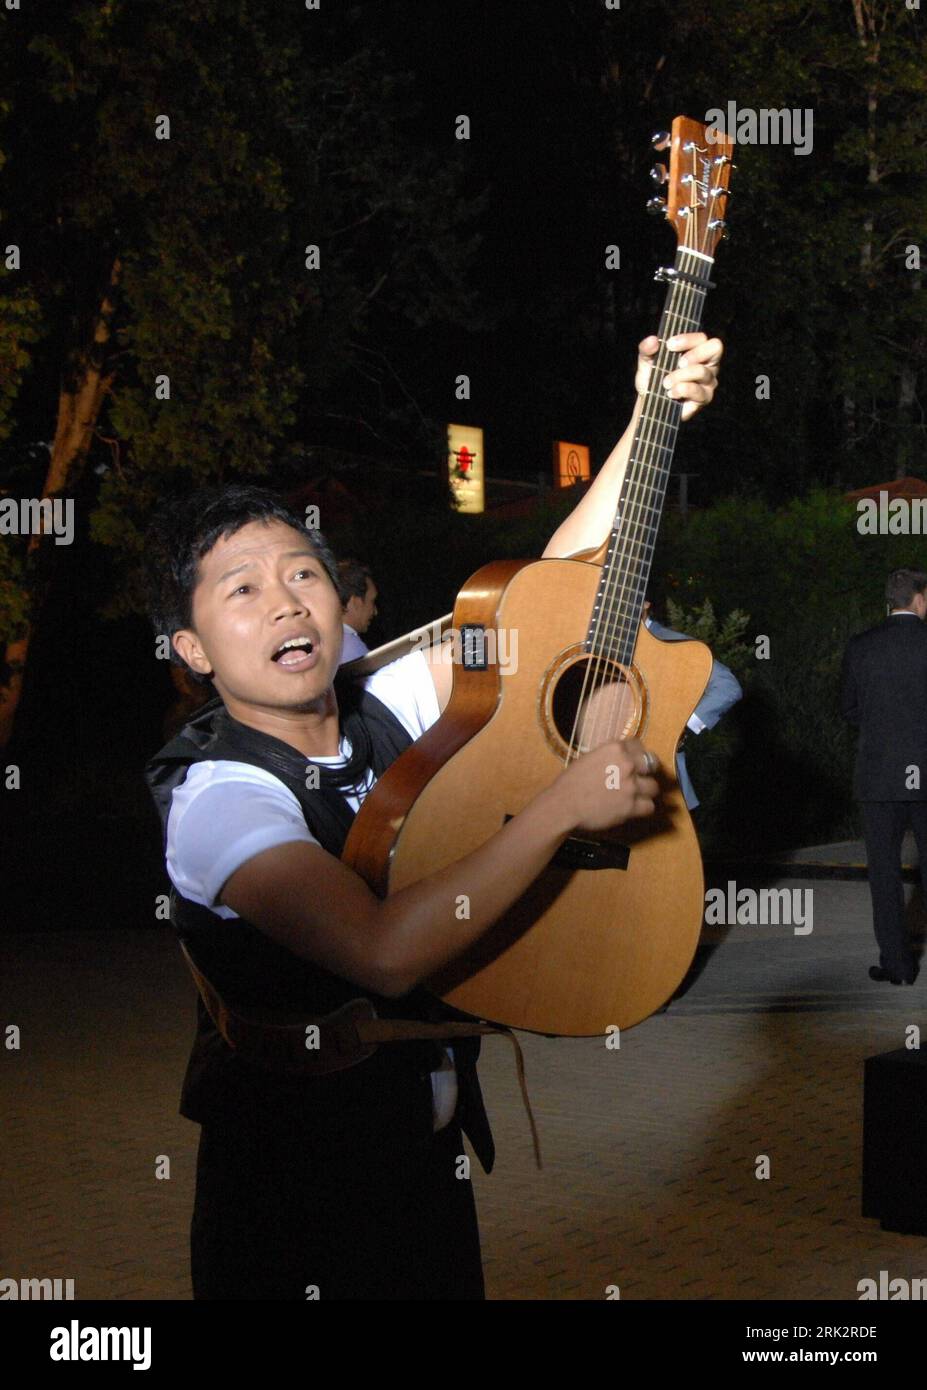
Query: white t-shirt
[(224, 813)]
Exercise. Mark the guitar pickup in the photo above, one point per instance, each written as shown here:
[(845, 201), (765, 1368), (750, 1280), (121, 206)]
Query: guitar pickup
[(579, 853), (473, 655), (575, 853)]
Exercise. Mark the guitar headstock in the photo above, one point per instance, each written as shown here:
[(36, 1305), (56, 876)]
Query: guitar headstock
[(696, 183)]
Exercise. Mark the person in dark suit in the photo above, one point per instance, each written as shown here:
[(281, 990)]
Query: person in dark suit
[(884, 692)]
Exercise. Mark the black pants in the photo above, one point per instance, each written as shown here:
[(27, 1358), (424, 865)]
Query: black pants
[(884, 824), (372, 1213)]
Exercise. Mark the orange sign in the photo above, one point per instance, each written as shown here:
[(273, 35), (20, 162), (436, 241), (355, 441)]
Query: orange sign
[(466, 466), (571, 463)]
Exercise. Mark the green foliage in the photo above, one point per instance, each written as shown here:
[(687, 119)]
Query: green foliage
[(20, 325), (725, 638), (809, 580), (14, 598), (284, 133), (813, 287)]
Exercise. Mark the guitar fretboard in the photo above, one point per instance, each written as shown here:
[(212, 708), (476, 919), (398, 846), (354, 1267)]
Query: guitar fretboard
[(619, 603)]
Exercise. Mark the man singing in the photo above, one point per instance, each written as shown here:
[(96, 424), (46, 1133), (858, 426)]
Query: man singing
[(339, 1179)]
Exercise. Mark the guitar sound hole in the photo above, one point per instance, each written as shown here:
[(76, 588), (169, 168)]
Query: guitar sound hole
[(592, 703)]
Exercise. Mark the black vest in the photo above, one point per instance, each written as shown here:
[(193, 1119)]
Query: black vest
[(250, 970)]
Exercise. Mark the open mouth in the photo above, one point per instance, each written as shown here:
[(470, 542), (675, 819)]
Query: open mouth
[(296, 654)]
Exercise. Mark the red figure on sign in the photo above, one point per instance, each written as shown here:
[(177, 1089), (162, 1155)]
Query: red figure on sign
[(465, 461)]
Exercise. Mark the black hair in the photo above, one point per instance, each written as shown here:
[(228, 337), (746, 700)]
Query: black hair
[(185, 529), (354, 575), (902, 585)]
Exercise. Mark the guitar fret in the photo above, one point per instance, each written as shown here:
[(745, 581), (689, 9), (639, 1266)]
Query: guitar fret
[(642, 549), (630, 571), (636, 516), (634, 519), (660, 448), (656, 470), (636, 547), (691, 320), (637, 521), (638, 509), (646, 497)]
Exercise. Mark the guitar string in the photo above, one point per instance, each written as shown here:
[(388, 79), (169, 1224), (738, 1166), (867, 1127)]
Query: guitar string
[(623, 591), (596, 668), (658, 426), (637, 549), (661, 424), (636, 567), (653, 424), (618, 634), (657, 431)]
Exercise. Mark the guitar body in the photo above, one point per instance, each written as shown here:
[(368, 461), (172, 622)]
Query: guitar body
[(584, 947)]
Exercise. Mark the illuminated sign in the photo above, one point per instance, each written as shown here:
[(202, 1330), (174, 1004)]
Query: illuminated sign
[(465, 466), (571, 463)]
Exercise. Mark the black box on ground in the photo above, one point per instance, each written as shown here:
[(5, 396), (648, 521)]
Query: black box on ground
[(895, 1140)]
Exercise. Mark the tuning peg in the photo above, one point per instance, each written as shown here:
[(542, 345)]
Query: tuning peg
[(661, 139), (717, 224), (656, 206), (659, 173)]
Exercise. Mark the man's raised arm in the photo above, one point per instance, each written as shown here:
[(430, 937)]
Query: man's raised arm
[(693, 382)]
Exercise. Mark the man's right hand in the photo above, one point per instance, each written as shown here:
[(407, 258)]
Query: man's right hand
[(607, 786)]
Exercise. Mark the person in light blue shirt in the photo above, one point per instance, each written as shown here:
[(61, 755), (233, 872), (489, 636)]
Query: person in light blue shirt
[(722, 691), (360, 607)]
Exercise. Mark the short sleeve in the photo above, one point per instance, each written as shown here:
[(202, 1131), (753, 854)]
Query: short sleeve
[(406, 688), (222, 815)]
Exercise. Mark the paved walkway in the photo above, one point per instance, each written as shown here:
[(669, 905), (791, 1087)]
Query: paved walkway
[(844, 859), (650, 1151)]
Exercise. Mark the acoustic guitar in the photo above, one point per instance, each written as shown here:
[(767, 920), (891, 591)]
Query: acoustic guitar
[(607, 932)]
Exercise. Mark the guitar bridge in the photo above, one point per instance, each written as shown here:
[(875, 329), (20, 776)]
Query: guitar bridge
[(581, 853)]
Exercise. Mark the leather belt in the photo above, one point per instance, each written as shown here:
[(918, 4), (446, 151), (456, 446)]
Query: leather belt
[(317, 1046)]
